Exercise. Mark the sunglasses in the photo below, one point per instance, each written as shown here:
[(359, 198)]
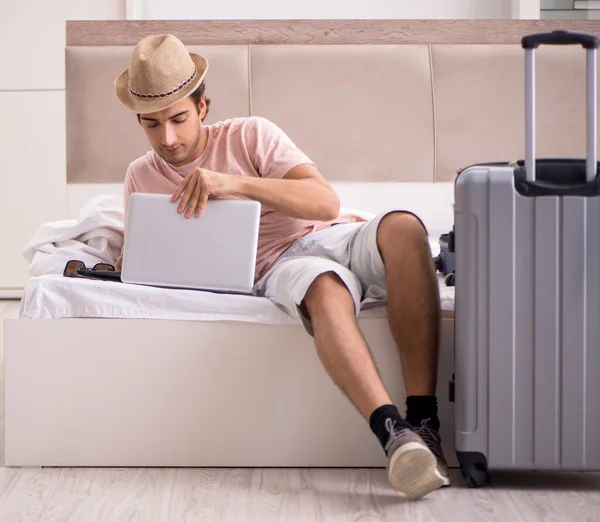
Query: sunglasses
[(104, 271)]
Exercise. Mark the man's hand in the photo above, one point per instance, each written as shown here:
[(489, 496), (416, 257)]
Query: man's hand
[(200, 185)]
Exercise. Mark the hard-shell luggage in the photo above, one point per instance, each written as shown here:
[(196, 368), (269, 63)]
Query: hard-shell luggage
[(527, 311)]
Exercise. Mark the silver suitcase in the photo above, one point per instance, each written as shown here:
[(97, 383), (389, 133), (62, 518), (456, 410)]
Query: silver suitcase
[(527, 316)]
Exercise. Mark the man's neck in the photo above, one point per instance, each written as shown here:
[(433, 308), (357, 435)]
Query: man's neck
[(199, 149), (202, 143)]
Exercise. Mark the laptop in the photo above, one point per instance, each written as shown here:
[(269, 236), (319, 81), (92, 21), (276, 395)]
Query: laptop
[(215, 252)]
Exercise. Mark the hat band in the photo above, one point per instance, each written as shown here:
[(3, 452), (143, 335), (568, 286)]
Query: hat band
[(164, 94)]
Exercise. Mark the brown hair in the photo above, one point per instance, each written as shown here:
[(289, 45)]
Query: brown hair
[(196, 96)]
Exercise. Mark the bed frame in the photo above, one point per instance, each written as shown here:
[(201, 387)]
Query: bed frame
[(383, 107)]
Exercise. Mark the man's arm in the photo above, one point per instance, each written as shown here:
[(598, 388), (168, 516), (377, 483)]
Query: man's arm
[(302, 193), (287, 181), (128, 188)]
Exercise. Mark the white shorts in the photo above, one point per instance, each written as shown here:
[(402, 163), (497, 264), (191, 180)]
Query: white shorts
[(348, 250)]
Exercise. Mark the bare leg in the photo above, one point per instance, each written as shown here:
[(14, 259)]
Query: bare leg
[(344, 353), (413, 299), (341, 345)]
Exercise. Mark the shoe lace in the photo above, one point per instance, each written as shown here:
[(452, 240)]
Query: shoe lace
[(390, 426), (430, 437)]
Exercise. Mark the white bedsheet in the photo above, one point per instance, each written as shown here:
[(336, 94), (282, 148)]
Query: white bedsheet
[(58, 297), (97, 236)]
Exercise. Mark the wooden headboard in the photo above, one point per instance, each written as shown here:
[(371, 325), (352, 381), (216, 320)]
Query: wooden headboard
[(319, 32)]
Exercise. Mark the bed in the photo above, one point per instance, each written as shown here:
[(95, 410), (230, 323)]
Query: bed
[(101, 375)]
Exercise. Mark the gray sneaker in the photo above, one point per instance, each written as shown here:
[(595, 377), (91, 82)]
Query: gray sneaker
[(412, 467), (432, 438)]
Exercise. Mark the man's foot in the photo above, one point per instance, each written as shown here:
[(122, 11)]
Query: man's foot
[(432, 438), (412, 467)]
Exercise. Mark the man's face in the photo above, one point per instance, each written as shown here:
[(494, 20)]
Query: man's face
[(175, 133)]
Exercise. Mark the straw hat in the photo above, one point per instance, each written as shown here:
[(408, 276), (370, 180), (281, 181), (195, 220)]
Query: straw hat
[(161, 73)]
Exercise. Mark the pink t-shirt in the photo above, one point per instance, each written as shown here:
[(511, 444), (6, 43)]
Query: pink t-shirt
[(251, 146)]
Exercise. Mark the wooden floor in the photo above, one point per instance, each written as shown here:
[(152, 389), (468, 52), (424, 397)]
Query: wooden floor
[(262, 495)]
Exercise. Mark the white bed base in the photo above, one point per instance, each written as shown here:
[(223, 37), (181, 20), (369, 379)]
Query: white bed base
[(110, 392)]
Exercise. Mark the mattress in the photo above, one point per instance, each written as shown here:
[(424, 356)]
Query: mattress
[(58, 297)]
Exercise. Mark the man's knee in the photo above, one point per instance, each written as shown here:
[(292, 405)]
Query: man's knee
[(327, 289), (401, 230)]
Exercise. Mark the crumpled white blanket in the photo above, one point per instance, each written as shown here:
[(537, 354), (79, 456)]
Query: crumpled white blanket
[(96, 236)]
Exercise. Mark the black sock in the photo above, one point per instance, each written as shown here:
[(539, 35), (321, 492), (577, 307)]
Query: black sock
[(384, 420), (420, 408)]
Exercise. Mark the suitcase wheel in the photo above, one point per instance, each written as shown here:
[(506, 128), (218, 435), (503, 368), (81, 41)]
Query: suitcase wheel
[(475, 476), (473, 467)]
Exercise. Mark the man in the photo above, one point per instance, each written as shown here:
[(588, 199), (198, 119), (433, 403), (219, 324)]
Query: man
[(316, 264)]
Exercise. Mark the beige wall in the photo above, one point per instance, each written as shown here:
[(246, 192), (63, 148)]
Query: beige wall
[(351, 9), (525, 9), (32, 129)]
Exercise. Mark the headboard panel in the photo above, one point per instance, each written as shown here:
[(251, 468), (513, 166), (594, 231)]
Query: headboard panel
[(367, 100), (352, 108), (103, 137), (480, 104)]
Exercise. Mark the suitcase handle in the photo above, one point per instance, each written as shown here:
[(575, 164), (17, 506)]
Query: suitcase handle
[(530, 43), (556, 177), (588, 41)]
